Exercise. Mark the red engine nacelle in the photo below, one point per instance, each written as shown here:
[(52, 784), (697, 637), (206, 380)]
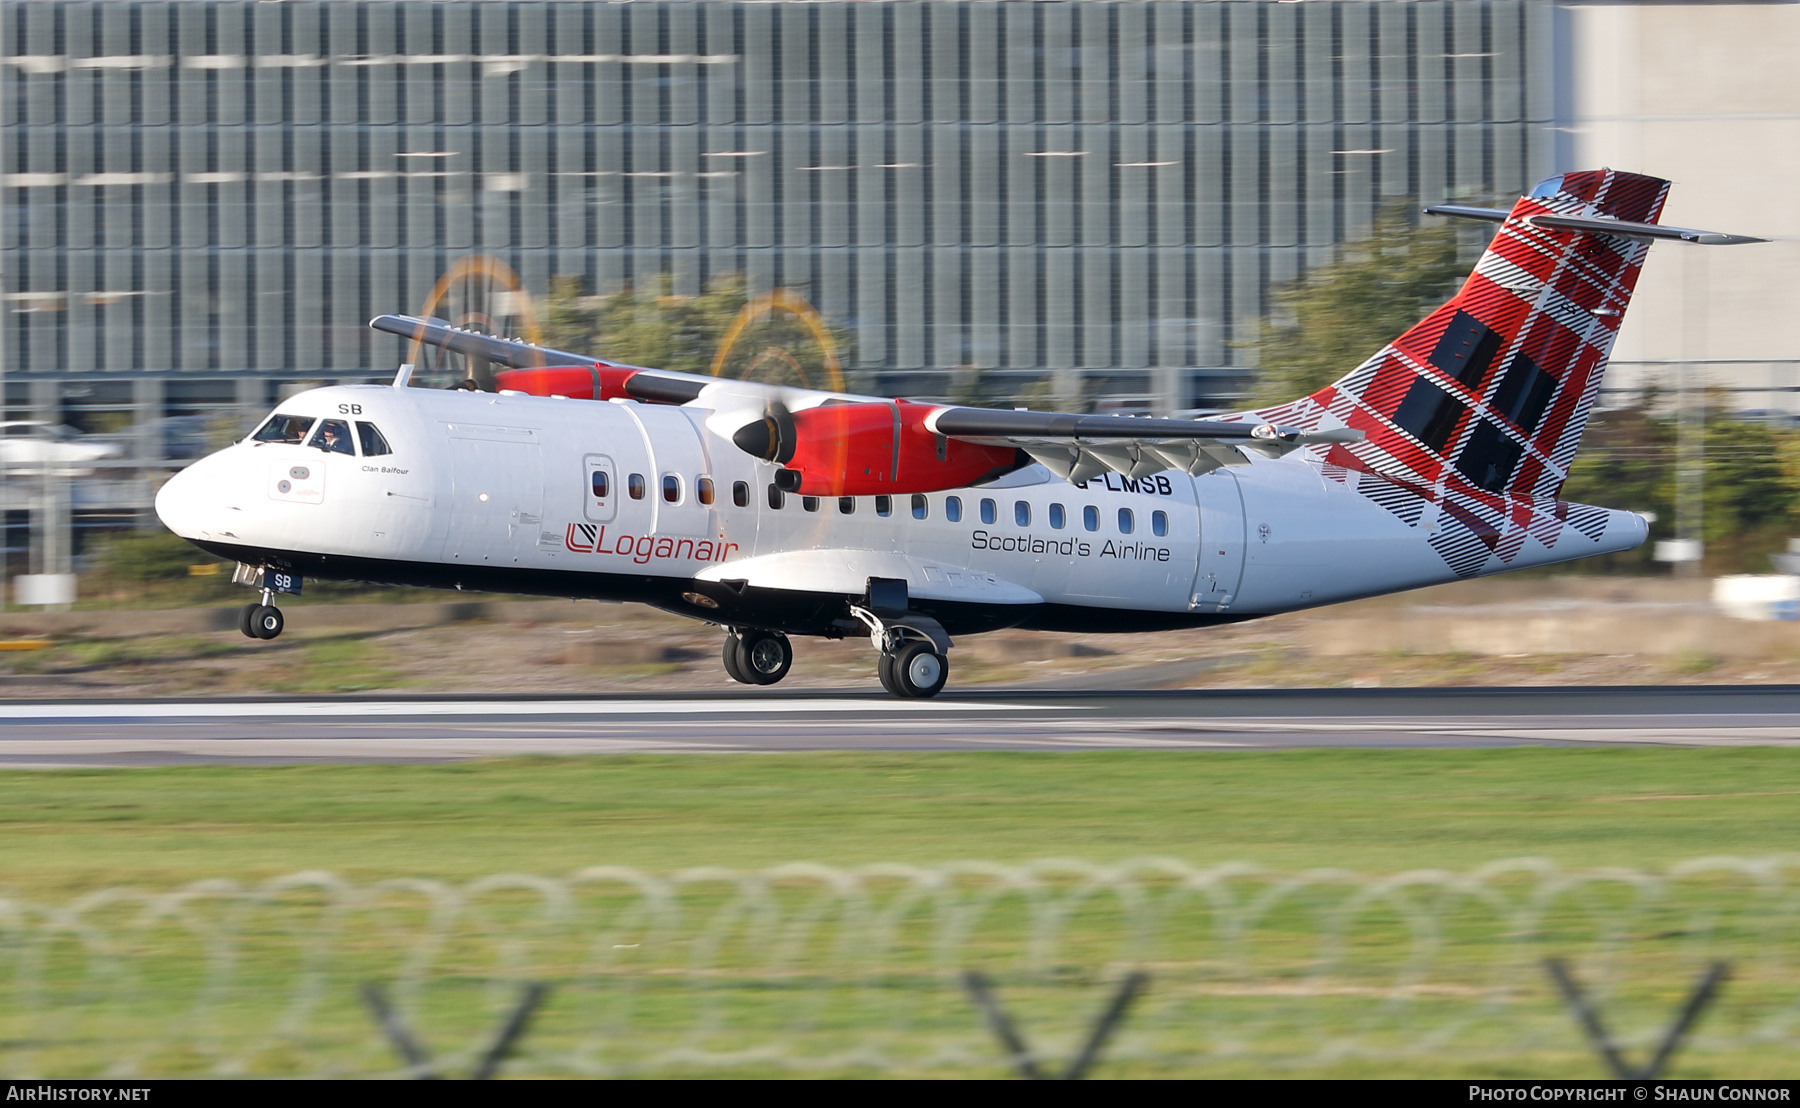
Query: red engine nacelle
[(578, 382), (868, 448)]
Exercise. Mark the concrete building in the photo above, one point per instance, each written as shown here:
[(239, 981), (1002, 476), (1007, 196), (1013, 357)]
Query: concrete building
[(1707, 95), (205, 198)]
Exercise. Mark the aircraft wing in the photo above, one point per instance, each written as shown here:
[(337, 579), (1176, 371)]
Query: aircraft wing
[(1082, 447), (1074, 447), (652, 386), (656, 386)]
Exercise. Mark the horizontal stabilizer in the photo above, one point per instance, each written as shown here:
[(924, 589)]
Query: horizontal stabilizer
[(1598, 225)]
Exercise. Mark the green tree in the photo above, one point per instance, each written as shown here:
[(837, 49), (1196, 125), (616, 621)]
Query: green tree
[(1331, 320), (1751, 491), (1626, 461), (647, 324), (1748, 500), (651, 325)]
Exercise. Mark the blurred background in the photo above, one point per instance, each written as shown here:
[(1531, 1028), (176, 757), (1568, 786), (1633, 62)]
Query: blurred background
[(1174, 206)]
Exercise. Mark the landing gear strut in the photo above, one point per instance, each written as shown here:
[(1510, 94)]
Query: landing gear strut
[(913, 665), (261, 621), (756, 657)]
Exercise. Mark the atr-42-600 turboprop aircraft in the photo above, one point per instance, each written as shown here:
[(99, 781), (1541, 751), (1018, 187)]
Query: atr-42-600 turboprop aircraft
[(776, 511)]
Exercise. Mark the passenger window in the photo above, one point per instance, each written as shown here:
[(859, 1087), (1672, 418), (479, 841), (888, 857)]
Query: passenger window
[(953, 509), (740, 493), (884, 506), (809, 503), (602, 484), (634, 486), (988, 512), (1021, 513), (846, 505), (373, 445), (921, 506), (285, 428), (777, 498), (1159, 523), (1090, 518), (703, 490), (671, 486), (1126, 523), (333, 437), (1057, 517)]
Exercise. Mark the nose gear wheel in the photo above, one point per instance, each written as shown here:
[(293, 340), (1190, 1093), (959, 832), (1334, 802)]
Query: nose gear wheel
[(261, 621)]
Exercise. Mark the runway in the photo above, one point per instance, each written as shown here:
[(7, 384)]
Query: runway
[(44, 733)]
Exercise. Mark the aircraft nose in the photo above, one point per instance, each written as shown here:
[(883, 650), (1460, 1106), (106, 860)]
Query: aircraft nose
[(192, 502), (177, 504)]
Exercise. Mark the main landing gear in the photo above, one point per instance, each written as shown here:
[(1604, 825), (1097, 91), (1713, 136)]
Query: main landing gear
[(754, 657), (261, 621), (914, 672), (913, 645), (913, 665)]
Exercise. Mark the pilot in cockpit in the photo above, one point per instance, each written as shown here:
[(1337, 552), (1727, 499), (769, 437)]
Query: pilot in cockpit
[(334, 437)]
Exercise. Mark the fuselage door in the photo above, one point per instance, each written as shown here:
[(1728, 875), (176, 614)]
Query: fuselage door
[(1221, 564), (600, 485), (497, 494), (677, 462)]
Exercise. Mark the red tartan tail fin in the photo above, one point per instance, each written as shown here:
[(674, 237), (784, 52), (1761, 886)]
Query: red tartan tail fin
[(1490, 393)]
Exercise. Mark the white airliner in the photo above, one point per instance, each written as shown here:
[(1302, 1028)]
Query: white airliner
[(774, 512), (28, 446)]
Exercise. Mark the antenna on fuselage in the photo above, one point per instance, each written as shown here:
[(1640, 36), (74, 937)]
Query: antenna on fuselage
[(403, 376)]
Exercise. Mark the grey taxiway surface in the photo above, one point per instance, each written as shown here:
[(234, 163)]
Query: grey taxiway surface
[(350, 729)]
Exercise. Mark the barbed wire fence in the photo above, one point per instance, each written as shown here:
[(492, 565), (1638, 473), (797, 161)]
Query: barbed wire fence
[(611, 971)]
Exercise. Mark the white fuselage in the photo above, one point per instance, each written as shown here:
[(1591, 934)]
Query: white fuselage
[(498, 492)]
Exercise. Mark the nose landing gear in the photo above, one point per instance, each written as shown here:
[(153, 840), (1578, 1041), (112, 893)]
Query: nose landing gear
[(756, 657), (261, 621)]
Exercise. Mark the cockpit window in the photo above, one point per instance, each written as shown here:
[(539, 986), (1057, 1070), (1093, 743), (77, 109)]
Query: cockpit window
[(333, 436), (285, 428), (372, 442)]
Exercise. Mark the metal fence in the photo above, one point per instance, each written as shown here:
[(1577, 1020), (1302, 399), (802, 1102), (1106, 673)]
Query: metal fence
[(809, 968)]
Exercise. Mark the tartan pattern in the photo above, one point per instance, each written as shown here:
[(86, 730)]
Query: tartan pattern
[(1512, 365)]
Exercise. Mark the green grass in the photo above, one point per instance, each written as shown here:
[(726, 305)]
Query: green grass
[(67, 833), (338, 663), (1374, 810)]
